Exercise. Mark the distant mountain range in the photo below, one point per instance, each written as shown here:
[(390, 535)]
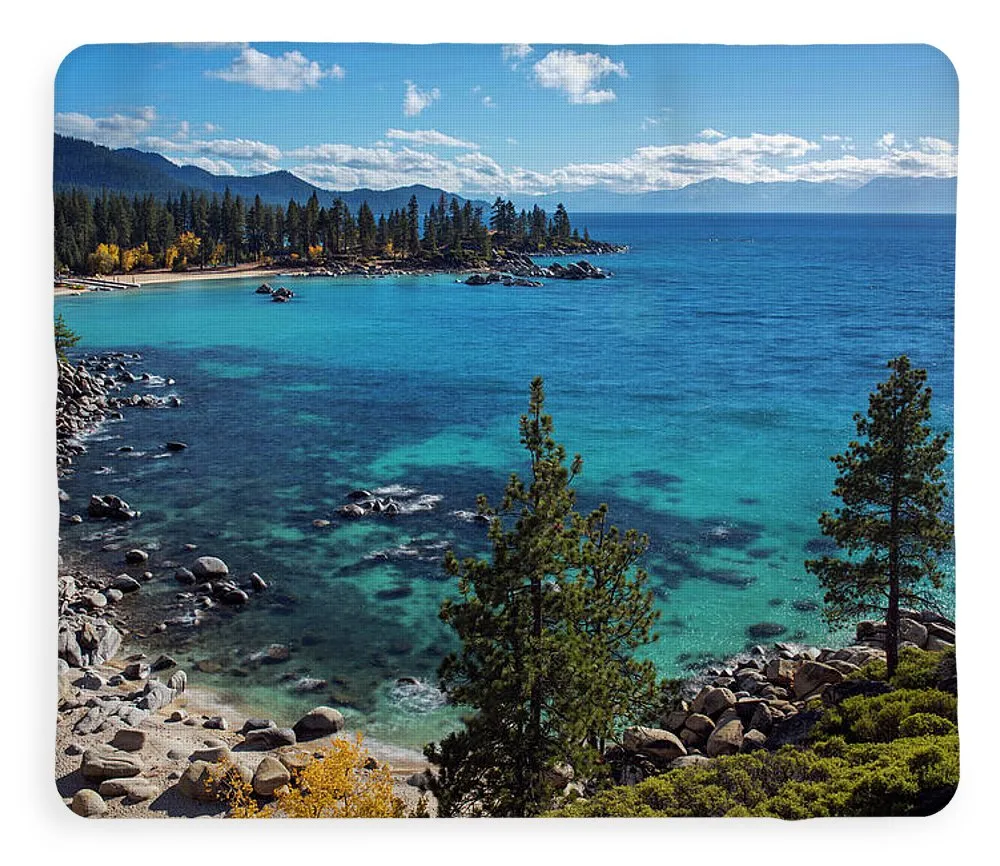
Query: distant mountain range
[(880, 195), (92, 167)]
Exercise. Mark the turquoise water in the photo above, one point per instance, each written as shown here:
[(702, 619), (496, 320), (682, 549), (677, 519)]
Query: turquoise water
[(705, 385)]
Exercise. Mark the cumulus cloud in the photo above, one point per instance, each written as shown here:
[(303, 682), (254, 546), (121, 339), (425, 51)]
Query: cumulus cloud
[(291, 71), (118, 130), (710, 134), (887, 141), (429, 137), (936, 145), (577, 75), (515, 53), (183, 129), (416, 100), (215, 166), (488, 102), (850, 169), (224, 148)]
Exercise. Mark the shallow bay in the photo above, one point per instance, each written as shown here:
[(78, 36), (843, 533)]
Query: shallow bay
[(705, 385)]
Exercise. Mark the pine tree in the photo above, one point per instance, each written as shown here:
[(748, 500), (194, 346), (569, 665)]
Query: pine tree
[(890, 526), (65, 337), (548, 629)]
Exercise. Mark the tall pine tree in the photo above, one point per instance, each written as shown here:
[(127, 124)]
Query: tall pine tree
[(890, 525), (548, 629)]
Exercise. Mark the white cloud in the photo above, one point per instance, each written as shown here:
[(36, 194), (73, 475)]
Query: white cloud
[(710, 134), (215, 166), (210, 128), (488, 102), (118, 130), (292, 71), (515, 53), (936, 145), (416, 100), (897, 163), (183, 129), (512, 141), (647, 122), (887, 141), (429, 137), (236, 148), (577, 75)]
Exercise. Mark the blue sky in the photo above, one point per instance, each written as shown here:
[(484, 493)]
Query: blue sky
[(521, 119)]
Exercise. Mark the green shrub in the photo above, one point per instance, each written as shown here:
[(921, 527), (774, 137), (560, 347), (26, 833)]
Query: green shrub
[(908, 776), (878, 719), (926, 725), (917, 669)]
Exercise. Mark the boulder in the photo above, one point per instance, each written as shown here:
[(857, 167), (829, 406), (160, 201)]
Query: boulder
[(105, 762), (216, 723), (701, 724), (198, 783), (689, 761), (265, 739), (726, 739), (937, 644), (133, 790), (209, 568), (126, 584), (812, 675), (185, 576), (163, 662), (88, 804), (136, 556), (318, 722), (129, 740), (753, 740), (177, 682), (714, 701), (662, 746), (211, 754), (781, 672), (676, 720), (913, 631), (136, 671), (155, 696), (269, 776), (257, 583)]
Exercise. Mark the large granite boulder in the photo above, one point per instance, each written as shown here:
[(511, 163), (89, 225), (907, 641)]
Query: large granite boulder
[(726, 739), (209, 568), (318, 722), (812, 675), (105, 762), (657, 744)]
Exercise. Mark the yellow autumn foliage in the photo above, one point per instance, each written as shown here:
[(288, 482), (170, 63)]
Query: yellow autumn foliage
[(345, 783)]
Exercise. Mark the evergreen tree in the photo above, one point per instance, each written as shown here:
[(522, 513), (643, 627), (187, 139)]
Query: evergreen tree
[(548, 628), (65, 337), (890, 526), (413, 227)]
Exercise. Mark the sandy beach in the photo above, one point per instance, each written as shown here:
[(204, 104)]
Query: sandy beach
[(148, 278)]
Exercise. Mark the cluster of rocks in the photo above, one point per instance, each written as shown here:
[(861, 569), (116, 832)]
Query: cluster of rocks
[(81, 404), (386, 502), (211, 584), (126, 765), (924, 629), (501, 278), (279, 294), (518, 270), (109, 506), (762, 701)]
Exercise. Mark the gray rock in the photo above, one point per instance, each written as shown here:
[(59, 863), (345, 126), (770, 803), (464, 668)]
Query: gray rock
[(753, 741), (216, 723), (197, 782), (156, 696), (177, 681), (726, 739), (90, 681), (136, 556), (105, 762), (163, 662), (129, 740), (257, 725), (318, 722), (701, 724), (133, 790), (185, 576), (88, 804), (211, 754), (660, 745), (125, 583), (209, 568), (913, 631), (269, 776), (257, 583), (136, 671), (812, 675), (178, 716), (114, 595), (689, 761), (264, 739)]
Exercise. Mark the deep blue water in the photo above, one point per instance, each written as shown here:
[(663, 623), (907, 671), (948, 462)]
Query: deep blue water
[(705, 385)]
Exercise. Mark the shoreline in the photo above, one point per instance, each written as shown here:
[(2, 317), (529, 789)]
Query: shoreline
[(376, 268)]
